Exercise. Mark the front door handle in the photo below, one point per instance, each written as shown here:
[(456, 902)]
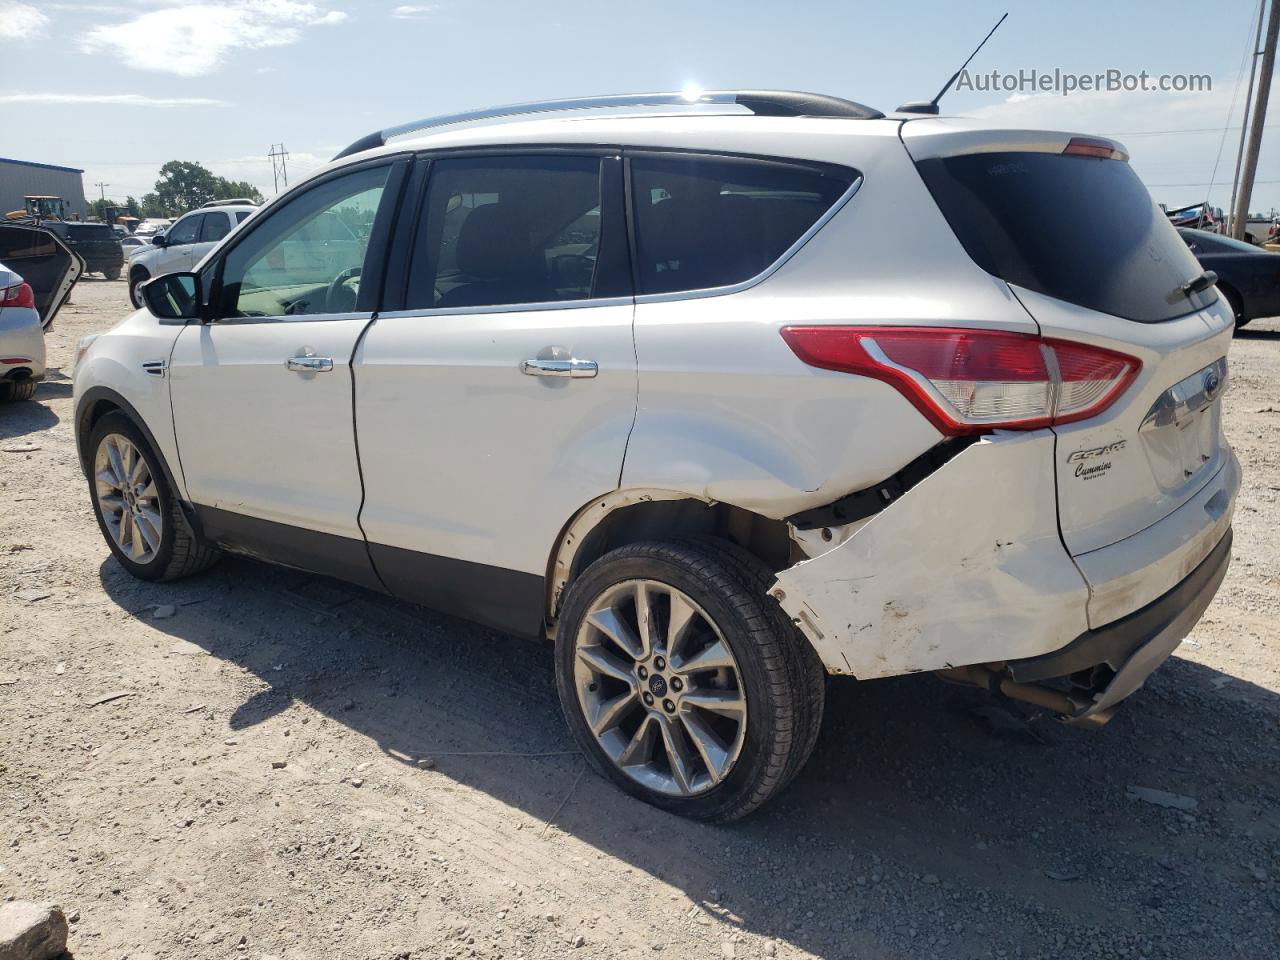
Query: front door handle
[(559, 368), (309, 364)]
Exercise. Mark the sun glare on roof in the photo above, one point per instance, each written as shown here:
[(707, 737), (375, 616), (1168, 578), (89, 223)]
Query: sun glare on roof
[(691, 92)]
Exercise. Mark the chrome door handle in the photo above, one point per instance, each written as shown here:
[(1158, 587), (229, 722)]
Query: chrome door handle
[(559, 368), (309, 364)]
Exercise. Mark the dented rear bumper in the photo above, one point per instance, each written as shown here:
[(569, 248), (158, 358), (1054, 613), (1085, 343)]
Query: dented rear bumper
[(965, 567), (968, 568)]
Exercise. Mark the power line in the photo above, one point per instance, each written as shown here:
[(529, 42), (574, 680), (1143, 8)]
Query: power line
[(1161, 133), (1220, 183)]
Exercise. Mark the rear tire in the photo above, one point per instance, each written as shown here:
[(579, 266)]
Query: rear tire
[(137, 512), (112, 273), (709, 743), (1234, 304), (18, 390)]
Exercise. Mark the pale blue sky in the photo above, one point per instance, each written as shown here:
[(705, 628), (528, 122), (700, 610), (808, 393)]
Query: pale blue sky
[(119, 88)]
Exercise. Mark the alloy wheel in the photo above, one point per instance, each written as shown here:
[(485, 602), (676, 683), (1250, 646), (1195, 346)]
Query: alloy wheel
[(128, 498), (660, 688)]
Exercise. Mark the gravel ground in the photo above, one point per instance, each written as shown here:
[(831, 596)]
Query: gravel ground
[(300, 769)]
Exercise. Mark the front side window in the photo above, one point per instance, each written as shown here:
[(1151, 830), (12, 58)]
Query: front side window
[(307, 256), (185, 230), (703, 222), (507, 230), (216, 226)]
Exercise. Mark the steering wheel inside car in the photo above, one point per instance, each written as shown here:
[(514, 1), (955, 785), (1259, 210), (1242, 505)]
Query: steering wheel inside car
[(340, 298)]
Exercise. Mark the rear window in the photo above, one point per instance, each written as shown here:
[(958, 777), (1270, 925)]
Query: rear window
[(1081, 229), (91, 231), (704, 222)]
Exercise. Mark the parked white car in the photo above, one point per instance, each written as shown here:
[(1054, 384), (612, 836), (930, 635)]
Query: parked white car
[(720, 398), (37, 272), (183, 245)]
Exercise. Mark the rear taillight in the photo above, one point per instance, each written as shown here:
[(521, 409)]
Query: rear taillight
[(971, 381), (19, 295)]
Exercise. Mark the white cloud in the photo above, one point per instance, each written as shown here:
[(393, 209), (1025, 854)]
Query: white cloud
[(19, 20), (190, 39), (111, 99), (412, 11)]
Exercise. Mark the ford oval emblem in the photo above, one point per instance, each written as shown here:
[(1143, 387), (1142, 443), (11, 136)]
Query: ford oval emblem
[(1212, 382)]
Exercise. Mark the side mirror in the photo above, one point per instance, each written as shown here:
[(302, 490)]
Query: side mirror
[(159, 240), (174, 296)]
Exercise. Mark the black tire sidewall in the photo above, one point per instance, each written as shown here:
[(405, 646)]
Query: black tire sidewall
[(118, 423), (761, 730), (136, 277)]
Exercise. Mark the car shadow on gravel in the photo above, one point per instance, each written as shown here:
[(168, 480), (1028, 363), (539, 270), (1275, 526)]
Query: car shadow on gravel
[(1255, 333), (928, 823), (24, 417)]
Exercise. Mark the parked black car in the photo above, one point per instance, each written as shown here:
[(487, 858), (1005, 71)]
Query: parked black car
[(1248, 276), (96, 243)]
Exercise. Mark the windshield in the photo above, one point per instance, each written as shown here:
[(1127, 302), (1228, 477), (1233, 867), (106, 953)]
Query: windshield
[(1081, 229)]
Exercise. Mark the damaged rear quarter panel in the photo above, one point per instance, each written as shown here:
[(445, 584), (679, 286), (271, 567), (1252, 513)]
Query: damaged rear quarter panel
[(967, 567)]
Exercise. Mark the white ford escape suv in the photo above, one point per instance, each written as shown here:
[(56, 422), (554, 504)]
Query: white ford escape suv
[(722, 396)]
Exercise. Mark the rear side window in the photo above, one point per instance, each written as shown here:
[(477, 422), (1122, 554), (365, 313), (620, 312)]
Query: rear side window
[(704, 222), (1081, 229), (216, 226), (508, 230), (241, 216)]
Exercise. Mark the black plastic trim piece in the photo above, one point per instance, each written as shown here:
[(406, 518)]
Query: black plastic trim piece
[(506, 600), (1116, 642), (345, 558), (864, 503)]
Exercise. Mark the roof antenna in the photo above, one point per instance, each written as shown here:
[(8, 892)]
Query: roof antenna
[(930, 107)]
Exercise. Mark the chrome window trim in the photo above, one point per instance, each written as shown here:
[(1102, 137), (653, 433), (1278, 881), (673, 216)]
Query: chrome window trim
[(791, 251), (507, 308), (291, 318)]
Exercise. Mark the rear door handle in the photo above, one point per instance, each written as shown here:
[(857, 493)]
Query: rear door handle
[(309, 364), (559, 368)]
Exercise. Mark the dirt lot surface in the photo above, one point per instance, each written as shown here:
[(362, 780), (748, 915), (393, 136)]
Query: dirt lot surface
[(300, 769)]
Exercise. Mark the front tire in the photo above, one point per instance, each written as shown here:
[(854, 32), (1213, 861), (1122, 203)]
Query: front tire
[(137, 512), (683, 682), (136, 279), (111, 273)]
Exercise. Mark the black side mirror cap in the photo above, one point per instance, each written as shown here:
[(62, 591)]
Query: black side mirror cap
[(159, 240), (174, 297)]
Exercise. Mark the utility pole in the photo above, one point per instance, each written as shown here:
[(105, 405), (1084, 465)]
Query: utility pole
[(1240, 216), (103, 188), (1244, 120), (279, 172)]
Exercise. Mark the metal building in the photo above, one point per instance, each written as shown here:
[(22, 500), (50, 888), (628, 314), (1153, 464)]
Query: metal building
[(21, 178)]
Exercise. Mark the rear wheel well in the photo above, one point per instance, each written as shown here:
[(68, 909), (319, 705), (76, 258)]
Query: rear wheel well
[(1233, 300), (659, 519)]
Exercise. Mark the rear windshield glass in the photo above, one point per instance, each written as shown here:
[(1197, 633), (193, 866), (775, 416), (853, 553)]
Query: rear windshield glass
[(91, 231), (1081, 229)]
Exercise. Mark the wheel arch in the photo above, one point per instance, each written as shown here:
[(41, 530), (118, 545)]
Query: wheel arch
[(626, 516), (96, 403)]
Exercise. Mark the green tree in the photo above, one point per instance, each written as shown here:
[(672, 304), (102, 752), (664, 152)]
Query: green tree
[(184, 185)]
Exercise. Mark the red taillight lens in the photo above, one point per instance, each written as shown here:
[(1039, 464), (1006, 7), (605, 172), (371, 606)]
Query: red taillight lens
[(19, 295), (1089, 147), (970, 381)]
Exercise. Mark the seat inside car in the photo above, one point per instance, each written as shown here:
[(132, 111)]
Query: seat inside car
[(496, 256)]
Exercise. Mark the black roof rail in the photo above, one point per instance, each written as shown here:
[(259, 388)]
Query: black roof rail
[(763, 103)]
